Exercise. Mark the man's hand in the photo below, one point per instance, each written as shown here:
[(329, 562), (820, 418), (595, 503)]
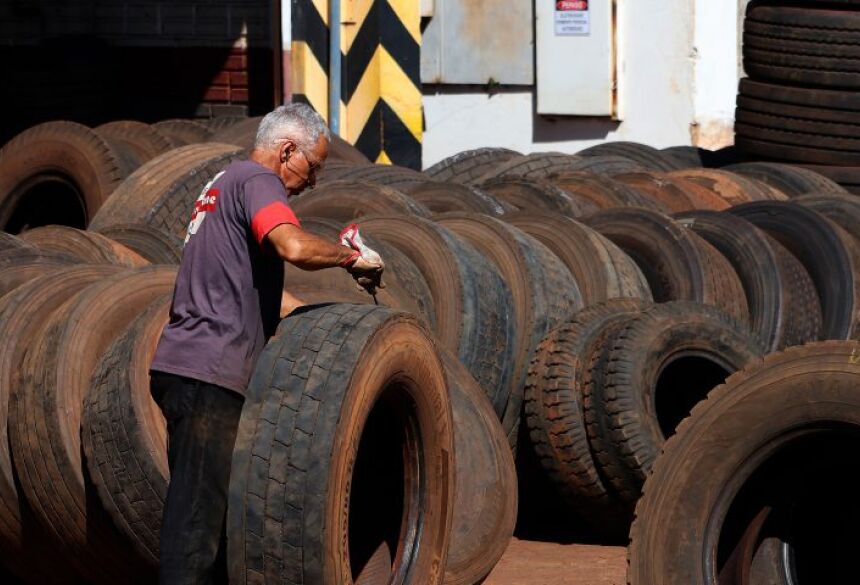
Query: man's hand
[(365, 265)]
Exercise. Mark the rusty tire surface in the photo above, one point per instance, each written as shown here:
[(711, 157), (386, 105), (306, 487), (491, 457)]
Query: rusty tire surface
[(628, 414), (400, 178), (124, 435), (24, 313), (20, 266), (153, 245), (841, 209), (161, 193), (829, 254), (756, 434), (555, 415), (647, 156), (346, 201), (734, 188), (538, 165), (543, 291), (536, 195), (485, 485), (333, 383), (145, 141), (59, 151), (182, 132), (45, 420), (791, 180), (670, 193), (678, 264), (445, 197), (783, 302), (10, 242), (604, 192), (405, 286), (601, 269), (469, 165), (472, 303), (83, 246), (241, 133)]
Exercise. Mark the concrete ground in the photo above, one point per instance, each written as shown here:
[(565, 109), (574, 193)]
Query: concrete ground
[(547, 563)]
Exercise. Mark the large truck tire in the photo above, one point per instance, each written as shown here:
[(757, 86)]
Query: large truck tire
[(472, 303), (124, 435), (18, 266), (791, 180), (153, 245), (555, 416), (601, 269), (446, 197), (485, 487), (536, 195), (646, 378), (732, 187), (344, 454), (183, 132), (604, 192), (145, 141), (543, 291), (161, 193), (346, 201), (678, 264), (468, 166), (56, 173), (758, 468), (83, 246), (829, 254), (783, 302), (647, 156)]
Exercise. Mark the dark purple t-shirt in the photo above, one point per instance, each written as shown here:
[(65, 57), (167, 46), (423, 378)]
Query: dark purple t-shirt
[(227, 299)]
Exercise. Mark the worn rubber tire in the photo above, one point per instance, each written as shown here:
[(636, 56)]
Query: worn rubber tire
[(144, 140), (124, 435), (346, 201), (153, 245), (182, 132), (555, 416), (543, 290), (84, 246), (469, 165), (601, 269), (734, 188), (298, 461), (445, 197), (783, 302), (791, 180), (603, 192), (647, 156), (10, 242), (23, 313), (829, 254), (241, 133), (162, 192), (472, 303), (678, 264), (20, 265), (400, 178), (627, 422), (841, 209), (773, 145), (692, 157), (535, 195), (485, 485), (674, 194), (538, 165), (405, 287), (729, 447), (58, 151), (846, 177), (45, 421)]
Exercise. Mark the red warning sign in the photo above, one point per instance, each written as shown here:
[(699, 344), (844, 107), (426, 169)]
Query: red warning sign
[(572, 17)]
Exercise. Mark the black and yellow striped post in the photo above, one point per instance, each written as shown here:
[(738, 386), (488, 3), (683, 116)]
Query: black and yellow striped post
[(381, 103), (309, 54)]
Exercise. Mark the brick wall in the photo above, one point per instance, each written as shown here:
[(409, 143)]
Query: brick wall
[(95, 61)]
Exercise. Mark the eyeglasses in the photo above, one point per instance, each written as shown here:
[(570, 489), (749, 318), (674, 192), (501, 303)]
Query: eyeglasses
[(314, 165)]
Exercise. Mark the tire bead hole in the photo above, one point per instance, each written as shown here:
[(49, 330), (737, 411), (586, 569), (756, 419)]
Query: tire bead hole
[(49, 201), (681, 384)]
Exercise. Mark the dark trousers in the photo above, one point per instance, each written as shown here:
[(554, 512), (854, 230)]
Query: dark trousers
[(202, 420)]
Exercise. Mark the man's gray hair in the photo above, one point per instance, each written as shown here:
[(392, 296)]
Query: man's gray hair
[(298, 122)]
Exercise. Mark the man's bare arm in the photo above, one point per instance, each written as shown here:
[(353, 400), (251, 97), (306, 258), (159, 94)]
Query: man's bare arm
[(305, 250)]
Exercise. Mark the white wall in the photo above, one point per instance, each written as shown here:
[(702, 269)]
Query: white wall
[(677, 78)]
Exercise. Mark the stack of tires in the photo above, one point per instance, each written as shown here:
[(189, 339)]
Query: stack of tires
[(801, 101)]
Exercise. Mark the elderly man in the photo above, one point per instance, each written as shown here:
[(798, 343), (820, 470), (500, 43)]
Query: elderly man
[(226, 304)]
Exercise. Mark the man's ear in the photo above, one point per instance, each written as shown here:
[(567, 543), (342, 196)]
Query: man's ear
[(289, 148)]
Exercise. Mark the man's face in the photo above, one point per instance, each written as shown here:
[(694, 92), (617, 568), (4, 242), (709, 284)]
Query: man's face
[(299, 166)]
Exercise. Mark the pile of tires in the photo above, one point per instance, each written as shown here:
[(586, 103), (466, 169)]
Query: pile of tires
[(752, 488), (800, 101), (355, 416)]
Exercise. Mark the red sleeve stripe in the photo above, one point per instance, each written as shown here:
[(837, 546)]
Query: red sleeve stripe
[(270, 217)]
